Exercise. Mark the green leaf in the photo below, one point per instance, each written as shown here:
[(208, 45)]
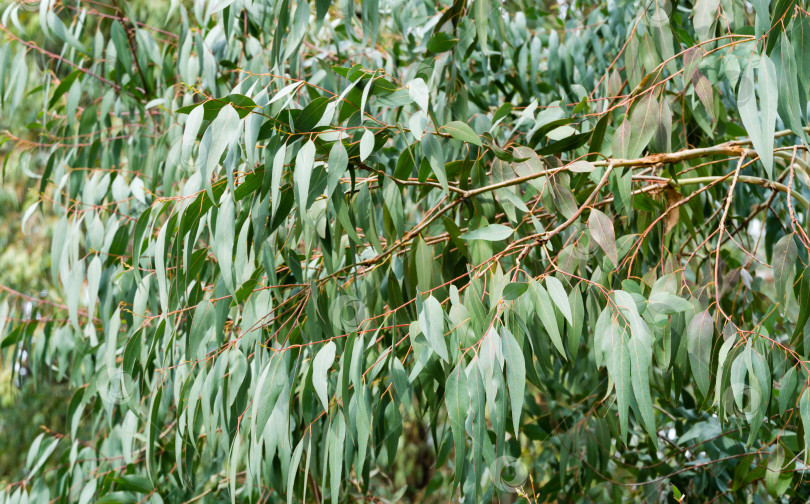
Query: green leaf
[(433, 152), (271, 382), (431, 322), (441, 42), (366, 144), (304, 162), (222, 130), (545, 310), (705, 12), (644, 121), (320, 367), (490, 232), (699, 338), (515, 375), (665, 303), (457, 401), (804, 304), (461, 131), (63, 87), (785, 253), (617, 358), (278, 168), (190, 131), (622, 139), (760, 126), (118, 498), (787, 387), (775, 462), (559, 296), (42, 455), (581, 166), (768, 90), (337, 436), (804, 413), (296, 459), (514, 290), (232, 464), (503, 111), (200, 326), (224, 239), (152, 431), (424, 265), (160, 269), (601, 228), (481, 15), (338, 162), (418, 91), (640, 346)]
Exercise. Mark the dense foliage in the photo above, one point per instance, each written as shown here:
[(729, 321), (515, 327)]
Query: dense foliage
[(399, 250)]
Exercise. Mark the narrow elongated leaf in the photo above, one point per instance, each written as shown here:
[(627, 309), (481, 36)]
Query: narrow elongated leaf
[(337, 437), (223, 247), (643, 122), (760, 125), (787, 388), (768, 90), (784, 259), (418, 91), (432, 150), (804, 304), (304, 162), (366, 144), (320, 367), (278, 168), (515, 375), (431, 321), (601, 228), (705, 12), (617, 358), (192, 127), (775, 461), (545, 310), (559, 296), (804, 413), (699, 336), (457, 400), (296, 459), (338, 161), (640, 349), (222, 130)]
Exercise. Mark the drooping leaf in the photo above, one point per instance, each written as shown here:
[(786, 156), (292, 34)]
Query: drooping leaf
[(699, 338), (784, 259), (601, 228), (431, 322), (515, 375), (457, 400), (557, 292), (545, 310), (320, 367), (366, 144)]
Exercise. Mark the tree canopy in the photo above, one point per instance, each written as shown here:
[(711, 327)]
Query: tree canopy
[(400, 250)]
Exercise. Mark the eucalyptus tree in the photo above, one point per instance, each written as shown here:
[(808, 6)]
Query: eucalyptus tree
[(402, 250)]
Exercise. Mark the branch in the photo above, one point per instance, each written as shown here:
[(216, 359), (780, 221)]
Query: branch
[(35, 47), (747, 179)]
